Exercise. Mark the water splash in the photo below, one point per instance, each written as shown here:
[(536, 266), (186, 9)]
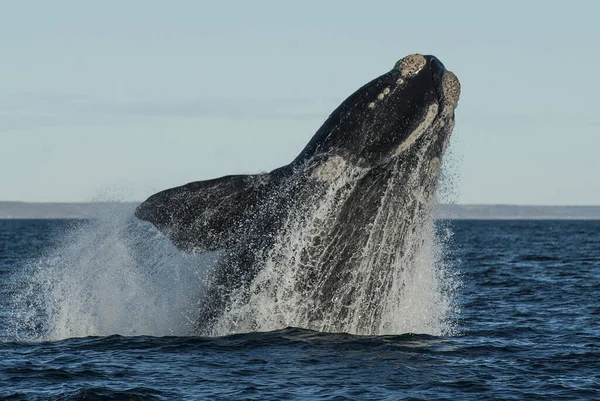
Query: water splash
[(397, 282), (118, 275), (114, 275)]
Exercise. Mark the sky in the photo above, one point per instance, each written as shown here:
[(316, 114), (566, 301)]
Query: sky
[(115, 100)]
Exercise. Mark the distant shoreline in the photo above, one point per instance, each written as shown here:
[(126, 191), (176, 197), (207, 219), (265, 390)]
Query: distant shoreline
[(64, 210), (518, 212)]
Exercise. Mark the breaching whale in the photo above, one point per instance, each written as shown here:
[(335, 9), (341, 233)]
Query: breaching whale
[(318, 243)]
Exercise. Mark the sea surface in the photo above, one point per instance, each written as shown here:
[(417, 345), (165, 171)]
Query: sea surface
[(526, 326)]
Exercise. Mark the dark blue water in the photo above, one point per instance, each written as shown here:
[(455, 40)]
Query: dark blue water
[(529, 325)]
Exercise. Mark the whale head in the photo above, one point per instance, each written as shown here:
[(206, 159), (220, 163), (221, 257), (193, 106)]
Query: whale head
[(405, 109)]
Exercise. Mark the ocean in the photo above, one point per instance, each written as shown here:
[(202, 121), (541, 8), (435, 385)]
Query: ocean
[(80, 321)]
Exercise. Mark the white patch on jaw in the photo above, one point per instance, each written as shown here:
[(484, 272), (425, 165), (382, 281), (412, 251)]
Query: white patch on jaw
[(430, 116), (330, 169)]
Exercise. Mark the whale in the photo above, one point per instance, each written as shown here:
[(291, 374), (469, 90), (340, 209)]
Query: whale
[(319, 242)]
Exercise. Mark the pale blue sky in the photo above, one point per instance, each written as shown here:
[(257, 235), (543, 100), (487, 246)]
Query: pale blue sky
[(119, 99)]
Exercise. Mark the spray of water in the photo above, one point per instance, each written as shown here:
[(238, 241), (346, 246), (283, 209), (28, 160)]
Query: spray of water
[(114, 275), (118, 275), (397, 282)]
